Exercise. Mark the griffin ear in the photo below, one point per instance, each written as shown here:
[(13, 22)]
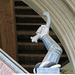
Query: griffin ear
[(48, 23)]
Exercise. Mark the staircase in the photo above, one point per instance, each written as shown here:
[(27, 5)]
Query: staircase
[(27, 22)]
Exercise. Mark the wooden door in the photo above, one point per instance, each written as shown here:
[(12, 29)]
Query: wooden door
[(7, 28)]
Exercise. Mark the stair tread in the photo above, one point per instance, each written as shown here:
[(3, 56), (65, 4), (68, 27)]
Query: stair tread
[(33, 44), (22, 7), (31, 55), (36, 55), (28, 66), (30, 23), (28, 16), (17, 0), (31, 32)]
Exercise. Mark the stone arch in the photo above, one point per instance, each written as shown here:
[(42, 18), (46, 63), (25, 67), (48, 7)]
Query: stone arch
[(63, 23)]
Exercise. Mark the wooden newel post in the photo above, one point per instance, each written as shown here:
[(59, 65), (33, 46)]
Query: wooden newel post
[(8, 28)]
